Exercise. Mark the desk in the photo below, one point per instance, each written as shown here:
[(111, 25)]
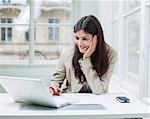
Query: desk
[(113, 109)]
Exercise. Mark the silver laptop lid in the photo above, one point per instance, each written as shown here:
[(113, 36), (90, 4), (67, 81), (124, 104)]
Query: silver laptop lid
[(28, 90)]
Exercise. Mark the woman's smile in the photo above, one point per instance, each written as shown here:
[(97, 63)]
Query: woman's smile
[(83, 48)]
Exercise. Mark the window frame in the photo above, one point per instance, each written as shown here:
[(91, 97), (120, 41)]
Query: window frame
[(142, 91)]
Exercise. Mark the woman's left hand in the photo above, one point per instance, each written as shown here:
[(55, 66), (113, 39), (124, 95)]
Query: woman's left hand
[(91, 48)]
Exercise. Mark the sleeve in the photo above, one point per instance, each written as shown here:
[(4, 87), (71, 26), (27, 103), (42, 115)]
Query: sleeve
[(60, 73), (98, 85)]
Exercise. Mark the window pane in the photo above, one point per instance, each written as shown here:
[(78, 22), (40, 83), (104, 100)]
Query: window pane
[(53, 32), (50, 49), (56, 9), (115, 32), (15, 47), (56, 16), (115, 9), (9, 20), (57, 20), (2, 34), (115, 40), (6, 1), (131, 4), (3, 20), (51, 20), (9, 34), (50, 33), (133, 45), (149, 51), (56, 34), (27, 35), (52, 38), (147, 0)]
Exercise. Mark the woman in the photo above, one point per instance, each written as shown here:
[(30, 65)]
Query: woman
[(88, 67)]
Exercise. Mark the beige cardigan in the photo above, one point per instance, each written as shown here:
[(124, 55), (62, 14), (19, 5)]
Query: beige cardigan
[(65, 74)]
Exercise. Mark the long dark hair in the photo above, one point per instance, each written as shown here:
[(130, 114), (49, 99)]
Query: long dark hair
[(90, 24)]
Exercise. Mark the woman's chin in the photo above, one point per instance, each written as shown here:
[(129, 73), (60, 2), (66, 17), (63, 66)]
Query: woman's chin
[(82, 51)]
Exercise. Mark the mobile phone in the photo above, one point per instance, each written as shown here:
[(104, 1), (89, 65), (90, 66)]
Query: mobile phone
[(123, 99)]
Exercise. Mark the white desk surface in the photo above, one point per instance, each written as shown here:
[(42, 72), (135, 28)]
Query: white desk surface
[(114, 109)]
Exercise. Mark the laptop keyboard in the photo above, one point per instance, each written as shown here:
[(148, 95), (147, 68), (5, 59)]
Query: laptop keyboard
[(61, 99)]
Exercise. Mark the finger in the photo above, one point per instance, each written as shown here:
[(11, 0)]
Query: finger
[(91, 43), (51, 90), (95, 39), (56, 92), (55, 89)]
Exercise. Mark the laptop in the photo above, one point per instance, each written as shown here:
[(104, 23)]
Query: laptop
[(32, 91)]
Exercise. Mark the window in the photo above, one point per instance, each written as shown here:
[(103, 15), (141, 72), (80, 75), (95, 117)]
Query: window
[(132, 47), (36, 37), (134, 61), (115, 6), (53, 23), (147, 0), (12, 29), (115, 31), (148, 78), (133, 44), (131, 5), (6, 1), (53, 32), (27, 35), (6, 32)]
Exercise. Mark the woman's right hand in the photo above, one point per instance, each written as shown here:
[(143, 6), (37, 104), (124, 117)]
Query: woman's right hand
[(54, 91), (92, 47)]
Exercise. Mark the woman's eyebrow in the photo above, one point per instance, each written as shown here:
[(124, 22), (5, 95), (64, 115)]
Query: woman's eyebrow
[(82, 36)]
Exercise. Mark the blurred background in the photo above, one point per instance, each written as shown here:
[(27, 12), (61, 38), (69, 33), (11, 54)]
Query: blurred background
[(33, 33)]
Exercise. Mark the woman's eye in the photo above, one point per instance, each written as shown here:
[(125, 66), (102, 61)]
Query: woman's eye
[(77, 38), (84, 38)]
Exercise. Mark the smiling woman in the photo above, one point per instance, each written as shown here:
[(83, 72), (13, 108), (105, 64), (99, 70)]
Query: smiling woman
[(89, 65), (83, 40)]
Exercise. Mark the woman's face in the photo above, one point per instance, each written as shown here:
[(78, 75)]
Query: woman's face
[(83, 40)]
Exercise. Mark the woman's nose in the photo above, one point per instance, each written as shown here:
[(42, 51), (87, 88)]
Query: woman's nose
[(80, 41)]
